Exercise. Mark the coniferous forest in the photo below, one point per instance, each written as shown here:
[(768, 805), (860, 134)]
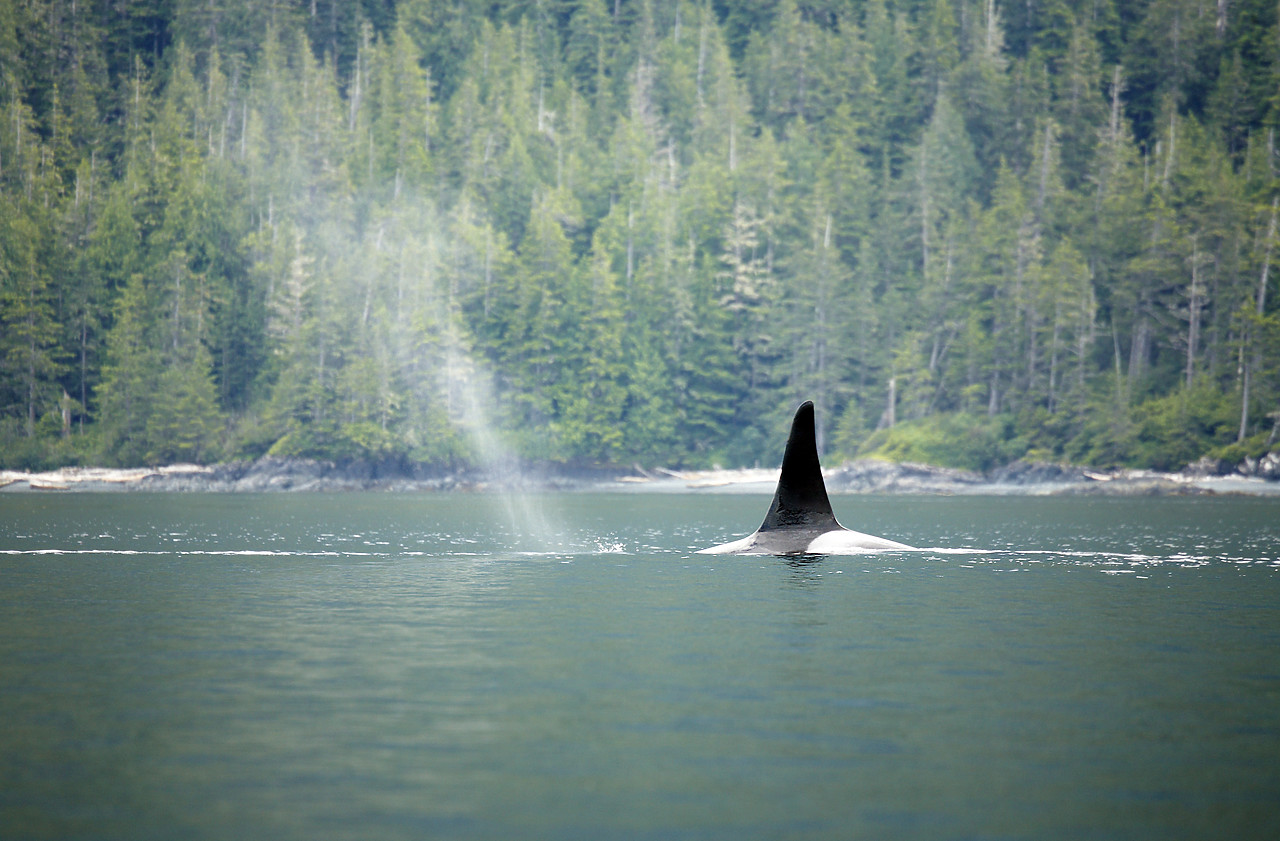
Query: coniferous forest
[(638, 231)]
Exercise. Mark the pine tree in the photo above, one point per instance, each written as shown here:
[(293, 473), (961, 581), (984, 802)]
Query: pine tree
[(539, 347), (184, 421), (1072, 331), (127, 391), (595, 399), (30, 354), (980, 85), (1079, 107)]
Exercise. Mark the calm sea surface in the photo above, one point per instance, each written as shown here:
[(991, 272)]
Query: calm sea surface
[(563, 667)]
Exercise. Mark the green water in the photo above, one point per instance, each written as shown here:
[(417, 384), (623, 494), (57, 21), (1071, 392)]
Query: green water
[(469, 667)]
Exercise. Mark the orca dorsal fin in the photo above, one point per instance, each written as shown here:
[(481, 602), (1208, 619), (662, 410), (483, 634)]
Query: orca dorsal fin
[(800, 500)]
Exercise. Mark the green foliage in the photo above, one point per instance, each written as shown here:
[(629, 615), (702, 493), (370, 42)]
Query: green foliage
[(1177, 428), (637, 232), (970, 442), (1253, 447), (1161, 433), (184, 422), (340, 441)]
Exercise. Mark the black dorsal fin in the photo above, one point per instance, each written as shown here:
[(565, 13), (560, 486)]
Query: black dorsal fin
[(801, 498)]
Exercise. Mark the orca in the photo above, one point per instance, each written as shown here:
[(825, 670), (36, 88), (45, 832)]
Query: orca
[(800, 520)]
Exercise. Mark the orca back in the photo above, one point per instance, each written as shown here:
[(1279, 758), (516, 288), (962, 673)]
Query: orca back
[(800, 501)]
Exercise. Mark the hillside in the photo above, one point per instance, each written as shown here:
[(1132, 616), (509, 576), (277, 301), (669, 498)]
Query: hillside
[(617, 233)]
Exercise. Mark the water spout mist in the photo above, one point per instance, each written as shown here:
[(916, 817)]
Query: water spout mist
[(470, 401)]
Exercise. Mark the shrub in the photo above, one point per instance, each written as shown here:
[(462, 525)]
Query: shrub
[(963, 440)]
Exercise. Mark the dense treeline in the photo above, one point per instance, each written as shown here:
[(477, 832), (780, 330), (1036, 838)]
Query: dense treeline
[(638, 230)]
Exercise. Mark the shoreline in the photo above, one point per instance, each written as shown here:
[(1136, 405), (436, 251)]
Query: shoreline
[(863, 476)]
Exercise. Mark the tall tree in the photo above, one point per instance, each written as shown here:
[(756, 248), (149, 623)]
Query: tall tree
[(31, 355)]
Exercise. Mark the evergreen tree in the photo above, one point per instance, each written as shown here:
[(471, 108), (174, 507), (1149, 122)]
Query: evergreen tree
[(31, 356), (184, 421), (128, 389), (641, 230)]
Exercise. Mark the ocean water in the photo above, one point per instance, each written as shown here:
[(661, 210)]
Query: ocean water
[(427, 666)]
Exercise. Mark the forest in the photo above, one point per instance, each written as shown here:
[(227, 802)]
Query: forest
[(616, 232)]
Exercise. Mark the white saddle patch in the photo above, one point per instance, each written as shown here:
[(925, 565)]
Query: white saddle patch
[(846, 542)]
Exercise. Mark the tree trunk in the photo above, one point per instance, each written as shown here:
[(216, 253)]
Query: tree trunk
[(1260, 304), (1193, 322)]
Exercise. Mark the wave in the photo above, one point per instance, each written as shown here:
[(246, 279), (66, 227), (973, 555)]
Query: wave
[(210, 552), (602, 547)]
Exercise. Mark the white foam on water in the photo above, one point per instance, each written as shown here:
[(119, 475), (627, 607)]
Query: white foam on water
[(611, 548), (196, 552)]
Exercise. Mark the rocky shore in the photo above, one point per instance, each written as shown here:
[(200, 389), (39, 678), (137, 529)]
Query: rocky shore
[(269, 474)]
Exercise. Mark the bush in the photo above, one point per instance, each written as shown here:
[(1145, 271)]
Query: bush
[(18, 452), (1255, 446), (963, 440), (42, 451), (1180, 427)]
